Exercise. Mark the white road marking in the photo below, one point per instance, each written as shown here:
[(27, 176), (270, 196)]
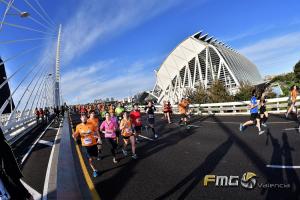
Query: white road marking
[(283, 167), (146, 137), (33, 145), (291, 129), (212, 122), (46, 183), (46, 142), (36, 195), (192, 125)]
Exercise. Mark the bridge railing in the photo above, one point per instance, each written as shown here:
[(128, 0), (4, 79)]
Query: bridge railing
[(275, 105), (18, 125)]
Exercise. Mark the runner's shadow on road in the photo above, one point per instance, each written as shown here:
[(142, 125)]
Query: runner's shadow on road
[(107, 188), (208, 166), (292, 176)]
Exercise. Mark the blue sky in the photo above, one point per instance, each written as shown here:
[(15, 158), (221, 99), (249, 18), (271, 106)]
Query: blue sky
[(111, 48)]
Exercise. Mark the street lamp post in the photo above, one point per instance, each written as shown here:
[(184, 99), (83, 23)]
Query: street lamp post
[(21, 14)]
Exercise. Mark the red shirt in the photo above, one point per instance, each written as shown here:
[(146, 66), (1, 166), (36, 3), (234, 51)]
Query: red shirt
[(136, 118)]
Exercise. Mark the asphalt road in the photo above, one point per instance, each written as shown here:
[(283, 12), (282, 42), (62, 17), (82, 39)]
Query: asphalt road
[(174, 166), (34, 167)]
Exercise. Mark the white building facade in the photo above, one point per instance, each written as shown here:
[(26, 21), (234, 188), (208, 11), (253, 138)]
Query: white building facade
[(200, 60)]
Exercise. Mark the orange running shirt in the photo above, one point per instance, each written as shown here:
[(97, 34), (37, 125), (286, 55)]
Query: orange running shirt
[(127, 129), (87, 134), (94, 121), (182, 106), (294, 95)]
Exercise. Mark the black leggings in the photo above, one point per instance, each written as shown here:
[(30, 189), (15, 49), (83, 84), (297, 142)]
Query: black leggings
[(112, 143)]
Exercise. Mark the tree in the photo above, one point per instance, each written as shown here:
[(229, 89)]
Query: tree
[(297, 70), (244, 92), (218, 93), (198, 95)]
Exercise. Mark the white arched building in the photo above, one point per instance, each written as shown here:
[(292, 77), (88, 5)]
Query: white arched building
[(200, 59)]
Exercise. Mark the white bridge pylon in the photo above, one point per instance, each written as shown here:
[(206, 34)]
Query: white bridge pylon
[(33, 65)]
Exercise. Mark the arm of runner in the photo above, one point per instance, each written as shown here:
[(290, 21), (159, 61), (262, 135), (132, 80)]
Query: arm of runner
[(75, 134), (122, 125)]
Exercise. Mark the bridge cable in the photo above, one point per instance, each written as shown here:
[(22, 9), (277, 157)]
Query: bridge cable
[(19, 11), (22, 66), (42, 17), (45, 13), (22, 96), (25, 40)]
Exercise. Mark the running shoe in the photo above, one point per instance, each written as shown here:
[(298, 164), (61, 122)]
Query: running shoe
[(264, 125), (95, 173), (260, 132), (134, 156), (241, 127), (124, 152), (115, 161), (155, 136)]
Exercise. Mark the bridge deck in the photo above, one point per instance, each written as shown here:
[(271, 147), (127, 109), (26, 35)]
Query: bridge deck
[(173, 167)]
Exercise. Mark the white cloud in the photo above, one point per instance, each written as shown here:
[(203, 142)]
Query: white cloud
[(86, 84), (275, 55), (95, 22)]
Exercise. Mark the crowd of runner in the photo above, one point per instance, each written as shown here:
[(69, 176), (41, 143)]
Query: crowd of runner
[(119, 127)]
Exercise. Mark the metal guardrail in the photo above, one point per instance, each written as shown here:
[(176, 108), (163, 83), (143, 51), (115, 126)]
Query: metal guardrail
[(16, 127), (275, 105)]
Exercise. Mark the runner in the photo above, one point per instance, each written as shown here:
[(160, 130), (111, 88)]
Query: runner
[(183, 110), (167, 111), (111, 108), (87, 132), (114, 119), (293, 99), (254, 118), (37, 115), (127, 133), (119, 111), (263, 111), (41, 111), (95, 121), (150, 109), (47, 114), (56, 112), (136, 120), (108, 127)]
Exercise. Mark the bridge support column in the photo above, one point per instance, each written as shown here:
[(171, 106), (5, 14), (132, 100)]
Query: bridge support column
[(57, 69)]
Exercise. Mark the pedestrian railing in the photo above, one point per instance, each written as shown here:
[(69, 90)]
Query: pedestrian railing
[(275, 105)]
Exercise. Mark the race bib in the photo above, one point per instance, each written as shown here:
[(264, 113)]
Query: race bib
[(151, 116), (87, 141), (128, 130)]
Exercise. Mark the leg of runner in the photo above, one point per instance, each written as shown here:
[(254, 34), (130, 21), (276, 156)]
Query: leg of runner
[(137, 132), (124, 151), (132, 141), (258, 126), (168, 117), (113, 148), (153, 131), (247, 123), (91, 153), (264, 119)]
